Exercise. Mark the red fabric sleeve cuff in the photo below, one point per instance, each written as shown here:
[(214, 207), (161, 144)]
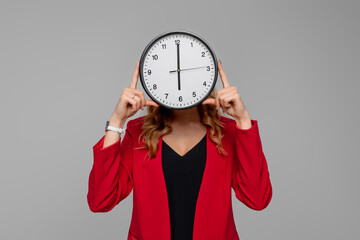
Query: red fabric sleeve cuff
[(254, 125), (99, 145)]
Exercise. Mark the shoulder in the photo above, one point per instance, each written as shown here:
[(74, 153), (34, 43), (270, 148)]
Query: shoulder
[(136, 121), (226, 119), (227, 122), (134, 125), (139, 121)]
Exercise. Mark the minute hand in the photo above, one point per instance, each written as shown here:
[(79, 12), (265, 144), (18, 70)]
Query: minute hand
[(187, 69)]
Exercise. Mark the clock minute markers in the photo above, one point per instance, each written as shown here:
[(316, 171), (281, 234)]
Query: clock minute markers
[(165, 91)]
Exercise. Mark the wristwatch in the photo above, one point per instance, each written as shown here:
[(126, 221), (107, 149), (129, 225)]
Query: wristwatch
[(111, 128)]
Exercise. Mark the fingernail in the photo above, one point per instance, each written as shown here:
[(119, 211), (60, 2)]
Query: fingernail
[(220, 61)]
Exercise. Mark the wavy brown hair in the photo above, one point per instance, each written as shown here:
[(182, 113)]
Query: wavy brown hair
[(157, 123)]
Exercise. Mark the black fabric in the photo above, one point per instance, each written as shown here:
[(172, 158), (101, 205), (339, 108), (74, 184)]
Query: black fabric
[(183, 176)]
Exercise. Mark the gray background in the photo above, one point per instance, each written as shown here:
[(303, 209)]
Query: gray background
[(65, 63)]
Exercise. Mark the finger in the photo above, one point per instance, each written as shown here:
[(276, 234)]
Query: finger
[(227, 98), (143, 100), (135, 100), (135, 76), (221, 100), (227, 101), (138, 102), (151, 103), (209, 101), (217, 102), (222, 96), (223, 77), (131, 101), (141, 95)]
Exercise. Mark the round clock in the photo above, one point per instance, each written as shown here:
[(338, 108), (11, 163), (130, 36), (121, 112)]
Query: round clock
[(178, 69)]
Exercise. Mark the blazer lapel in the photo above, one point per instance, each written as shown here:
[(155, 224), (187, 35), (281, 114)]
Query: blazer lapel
[(159, 188)]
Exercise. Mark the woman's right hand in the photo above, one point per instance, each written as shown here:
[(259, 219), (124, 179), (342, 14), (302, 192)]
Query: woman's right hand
[(131, 100)]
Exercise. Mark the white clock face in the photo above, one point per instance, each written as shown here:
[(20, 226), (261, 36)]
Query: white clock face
[(179, 70)]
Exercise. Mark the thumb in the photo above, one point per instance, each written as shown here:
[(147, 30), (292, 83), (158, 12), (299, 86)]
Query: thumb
[(151, 103), (209, 101)]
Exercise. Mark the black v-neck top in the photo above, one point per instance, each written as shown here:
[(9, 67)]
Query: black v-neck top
[(183, 176)]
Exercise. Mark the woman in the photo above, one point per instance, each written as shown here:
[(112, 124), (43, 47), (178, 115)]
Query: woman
[(182, 165)]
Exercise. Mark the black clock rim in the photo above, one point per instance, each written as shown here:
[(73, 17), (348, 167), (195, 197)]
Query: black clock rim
[(164, 34)]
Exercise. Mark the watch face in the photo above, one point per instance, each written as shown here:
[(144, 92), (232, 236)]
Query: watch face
[(178, 69)]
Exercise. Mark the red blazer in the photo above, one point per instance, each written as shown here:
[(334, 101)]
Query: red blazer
[(118, 169)]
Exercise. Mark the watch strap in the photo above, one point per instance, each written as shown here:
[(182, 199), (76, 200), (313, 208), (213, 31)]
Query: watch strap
[(111, 128)]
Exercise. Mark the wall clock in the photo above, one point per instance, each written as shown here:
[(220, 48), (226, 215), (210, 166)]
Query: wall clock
[(178, 69)]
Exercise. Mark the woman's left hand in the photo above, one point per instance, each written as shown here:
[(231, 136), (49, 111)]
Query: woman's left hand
[(230, 101)]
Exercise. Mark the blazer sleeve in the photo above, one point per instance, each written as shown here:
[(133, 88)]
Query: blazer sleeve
[(250, 178), (110, 179)]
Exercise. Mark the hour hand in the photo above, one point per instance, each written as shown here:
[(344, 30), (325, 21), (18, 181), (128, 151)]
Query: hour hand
[(178, 70)]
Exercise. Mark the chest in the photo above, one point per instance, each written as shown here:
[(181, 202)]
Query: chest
[(184, 142), (182, 169)]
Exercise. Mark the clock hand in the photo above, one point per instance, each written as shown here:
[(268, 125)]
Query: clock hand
[(186, 69), (178, 64)]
